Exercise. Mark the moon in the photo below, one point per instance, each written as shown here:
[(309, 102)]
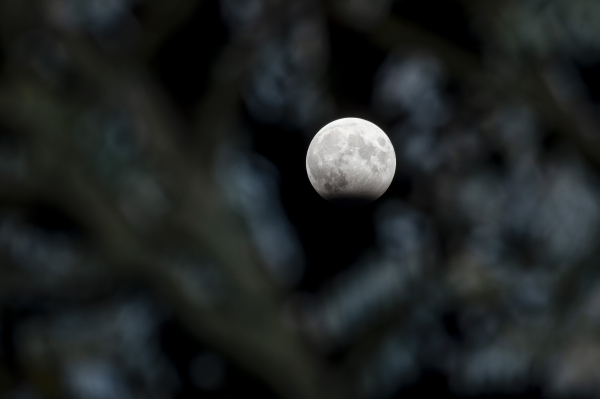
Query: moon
[(350, 162)]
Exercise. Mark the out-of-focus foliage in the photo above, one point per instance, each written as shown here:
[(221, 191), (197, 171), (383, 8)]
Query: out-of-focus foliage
[(159, 237)]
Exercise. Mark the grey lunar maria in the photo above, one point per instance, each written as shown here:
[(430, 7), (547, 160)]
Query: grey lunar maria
[(350, 162)]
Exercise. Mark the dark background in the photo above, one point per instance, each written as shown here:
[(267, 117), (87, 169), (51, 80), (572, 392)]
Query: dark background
[(159, 237)]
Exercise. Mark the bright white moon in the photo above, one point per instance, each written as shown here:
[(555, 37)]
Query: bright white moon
[(350, 162)]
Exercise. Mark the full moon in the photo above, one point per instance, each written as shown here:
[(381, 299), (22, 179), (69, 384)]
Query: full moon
[(350, 162)]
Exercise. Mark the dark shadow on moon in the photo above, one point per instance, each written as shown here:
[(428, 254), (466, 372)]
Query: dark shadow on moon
[(350, 201)]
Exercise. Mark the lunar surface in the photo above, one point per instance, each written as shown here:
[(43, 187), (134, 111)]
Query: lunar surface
[(350, 162)]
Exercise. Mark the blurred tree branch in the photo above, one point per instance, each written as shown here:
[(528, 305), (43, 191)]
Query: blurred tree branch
[(249, 326)]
